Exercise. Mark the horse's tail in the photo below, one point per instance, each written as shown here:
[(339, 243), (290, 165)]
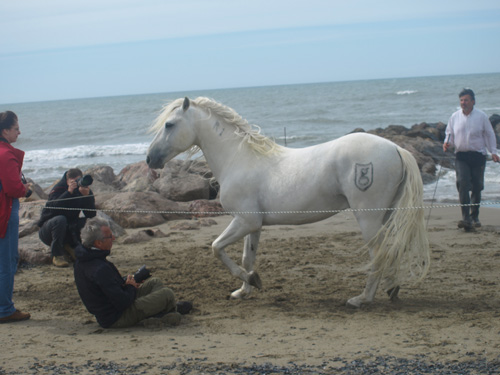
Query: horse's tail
[(401, 247)]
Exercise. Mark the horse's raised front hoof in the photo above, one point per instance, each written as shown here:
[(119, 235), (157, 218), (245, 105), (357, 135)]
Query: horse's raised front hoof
[(254, 280), (393, 294)]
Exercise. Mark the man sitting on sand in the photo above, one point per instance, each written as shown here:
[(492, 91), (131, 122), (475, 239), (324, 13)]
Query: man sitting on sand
[(119, 302)]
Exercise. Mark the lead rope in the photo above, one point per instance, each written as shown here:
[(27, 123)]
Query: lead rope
[(433, 195)]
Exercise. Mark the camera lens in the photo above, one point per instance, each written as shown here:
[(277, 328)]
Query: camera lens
[(85, 181)]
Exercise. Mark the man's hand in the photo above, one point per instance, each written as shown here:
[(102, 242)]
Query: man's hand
[(131, 281), (446, 146), (84, 190), (495, 158), (72, 185)]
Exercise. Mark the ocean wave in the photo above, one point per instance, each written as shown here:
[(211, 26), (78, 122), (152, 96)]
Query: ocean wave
[(406, 92), (86, 151)]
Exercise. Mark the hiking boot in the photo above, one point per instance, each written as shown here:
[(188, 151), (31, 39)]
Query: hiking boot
[(476, 222), (466, 225), (59, 261), (17, 316), (184, 307), (171, 319)]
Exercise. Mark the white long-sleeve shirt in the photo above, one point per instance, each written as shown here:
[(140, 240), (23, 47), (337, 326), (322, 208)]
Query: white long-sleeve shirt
[(471, 132)]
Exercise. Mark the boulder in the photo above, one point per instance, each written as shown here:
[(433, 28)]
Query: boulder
[(104, 179), (34, 256), (29, 213), (186, 225), (184, 181), (135, 177), (116, 229), (183, 187), (139, 209), (204, 208), (143, 236), (37, 192)]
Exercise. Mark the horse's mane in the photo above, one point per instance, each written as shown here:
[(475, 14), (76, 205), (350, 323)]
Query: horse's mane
[(250, 134)]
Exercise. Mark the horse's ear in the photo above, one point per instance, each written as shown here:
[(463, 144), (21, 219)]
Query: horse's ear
[(185, 105)]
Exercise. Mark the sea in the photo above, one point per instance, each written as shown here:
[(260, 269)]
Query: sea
[(114, 131)]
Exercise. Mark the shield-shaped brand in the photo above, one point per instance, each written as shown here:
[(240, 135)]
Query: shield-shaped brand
[(364, 176)]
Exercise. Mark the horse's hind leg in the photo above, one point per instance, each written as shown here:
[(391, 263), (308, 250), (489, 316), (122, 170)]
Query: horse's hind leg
[(369, 222), (248, 260), (368, 293)]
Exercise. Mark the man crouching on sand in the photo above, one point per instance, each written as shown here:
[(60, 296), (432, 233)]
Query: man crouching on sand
[(119, 302)]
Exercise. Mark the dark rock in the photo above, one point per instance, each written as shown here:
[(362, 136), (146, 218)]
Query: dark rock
[(495, 120)]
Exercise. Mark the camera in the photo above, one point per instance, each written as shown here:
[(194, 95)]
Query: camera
[(142, 274), (85, 181), (28, 192)]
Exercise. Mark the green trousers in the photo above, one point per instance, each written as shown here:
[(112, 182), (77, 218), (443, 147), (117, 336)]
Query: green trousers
[(152, 298)]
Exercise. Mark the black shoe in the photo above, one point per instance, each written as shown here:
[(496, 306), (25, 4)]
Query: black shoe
[(476, 222), (467, 225), (184, 307)]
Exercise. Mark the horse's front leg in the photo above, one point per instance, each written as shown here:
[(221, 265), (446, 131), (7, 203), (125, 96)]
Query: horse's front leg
[(237, 229), (248, 260)]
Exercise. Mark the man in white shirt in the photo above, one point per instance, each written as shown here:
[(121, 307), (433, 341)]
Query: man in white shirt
[(470, 132)]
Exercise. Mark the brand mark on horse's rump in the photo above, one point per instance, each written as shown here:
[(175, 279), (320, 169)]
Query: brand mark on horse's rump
[(364, 176)]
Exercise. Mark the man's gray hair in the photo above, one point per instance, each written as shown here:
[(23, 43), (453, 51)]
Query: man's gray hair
[(92, 231)]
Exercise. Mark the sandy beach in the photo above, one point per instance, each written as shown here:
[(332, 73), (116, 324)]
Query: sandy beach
[(298, 320)]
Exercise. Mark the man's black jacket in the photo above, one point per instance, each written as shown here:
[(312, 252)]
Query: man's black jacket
[(100, 285)]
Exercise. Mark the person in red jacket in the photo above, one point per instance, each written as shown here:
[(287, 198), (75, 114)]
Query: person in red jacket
[(11, 189)]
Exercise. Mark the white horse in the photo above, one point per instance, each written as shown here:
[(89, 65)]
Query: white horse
[(261, 182)]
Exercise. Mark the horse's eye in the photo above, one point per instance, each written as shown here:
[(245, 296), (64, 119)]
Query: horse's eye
[(168, 125)]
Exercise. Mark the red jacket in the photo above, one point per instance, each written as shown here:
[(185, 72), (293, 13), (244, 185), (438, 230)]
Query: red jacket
[(11, 162)]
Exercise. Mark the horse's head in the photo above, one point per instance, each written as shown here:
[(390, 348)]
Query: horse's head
[(174, 133)]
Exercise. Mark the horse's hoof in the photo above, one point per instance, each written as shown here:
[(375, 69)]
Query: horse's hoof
[(353, 303), (393, 294), (237, 294), (254, 280)]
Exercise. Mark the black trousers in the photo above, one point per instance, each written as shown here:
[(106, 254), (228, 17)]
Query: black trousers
[(56, 232), (469, 167)]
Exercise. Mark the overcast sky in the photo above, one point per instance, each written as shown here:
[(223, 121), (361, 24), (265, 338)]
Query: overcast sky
[(60, 49)]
